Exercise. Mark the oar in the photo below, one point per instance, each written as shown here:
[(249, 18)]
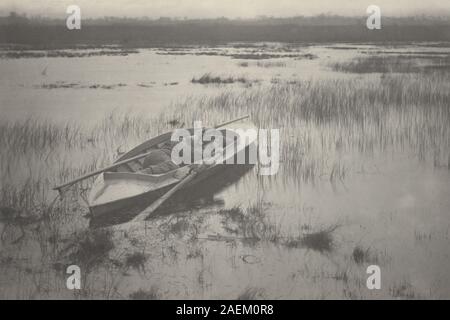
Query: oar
[(231, 121), (93, 173), (115, 165), (156, 204)]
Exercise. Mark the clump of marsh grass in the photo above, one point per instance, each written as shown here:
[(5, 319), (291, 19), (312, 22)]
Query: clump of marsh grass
[(376, 64), (262, 56), (251, 225), (195, 253), (394, 64), (207, 78), (13, 218), (235, 213), (152, 294), (251, 293), (92, 248), (308, 56), (174, 122), (271, 64), (7, 214), (233, 221), (321, 241), (421, 236), (34, 134), (179, 227), (65, 53), (361, 255), (403, 290), (136, 260), (254, 226), (67, 85), (341, 275)]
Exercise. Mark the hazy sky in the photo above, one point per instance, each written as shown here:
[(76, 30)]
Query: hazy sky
[(227, 8)]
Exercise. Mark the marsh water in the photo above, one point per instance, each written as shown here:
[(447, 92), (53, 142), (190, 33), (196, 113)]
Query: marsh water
[(146, 82), (380, 191)]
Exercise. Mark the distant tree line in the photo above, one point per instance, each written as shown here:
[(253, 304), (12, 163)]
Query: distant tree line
[(145, 32)]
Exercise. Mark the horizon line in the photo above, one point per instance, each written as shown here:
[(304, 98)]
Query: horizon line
[(258, 17)]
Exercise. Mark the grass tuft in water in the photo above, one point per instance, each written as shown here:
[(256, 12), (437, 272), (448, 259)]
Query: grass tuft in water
[(403, 290), (152, 294), (93, 248), (321, 241), (207, 78), (394, 64), (251, 293), (136, 261)]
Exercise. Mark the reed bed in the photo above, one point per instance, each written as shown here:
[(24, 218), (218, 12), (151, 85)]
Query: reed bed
[(320, 121), (414, 62), (207, 78)]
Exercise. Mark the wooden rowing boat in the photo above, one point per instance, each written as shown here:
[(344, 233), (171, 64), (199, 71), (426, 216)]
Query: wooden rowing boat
[(125, 186)]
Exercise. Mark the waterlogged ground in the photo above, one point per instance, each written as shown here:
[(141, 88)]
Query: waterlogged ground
[(363, 179)]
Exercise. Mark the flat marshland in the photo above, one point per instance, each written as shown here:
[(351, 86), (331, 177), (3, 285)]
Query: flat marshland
[(363, 178)]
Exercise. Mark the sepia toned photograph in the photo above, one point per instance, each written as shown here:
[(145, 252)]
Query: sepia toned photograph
[(200, 150)]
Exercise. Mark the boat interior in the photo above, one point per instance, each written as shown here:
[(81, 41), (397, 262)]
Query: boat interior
[(137, 166)]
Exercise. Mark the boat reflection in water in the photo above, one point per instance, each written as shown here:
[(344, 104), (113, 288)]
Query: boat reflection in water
[(199, 196)]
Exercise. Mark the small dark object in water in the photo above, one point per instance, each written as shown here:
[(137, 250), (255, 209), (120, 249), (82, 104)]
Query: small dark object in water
[(251, 294), (136, 261), (250, 259), (12, 217), (92, 248), (152, 294), (321, 241), (7, 213), (358, 255), (174, 122)]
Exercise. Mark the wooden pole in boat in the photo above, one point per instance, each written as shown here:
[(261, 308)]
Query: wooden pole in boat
[(115, 165), (93, 173), (156, 204)]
